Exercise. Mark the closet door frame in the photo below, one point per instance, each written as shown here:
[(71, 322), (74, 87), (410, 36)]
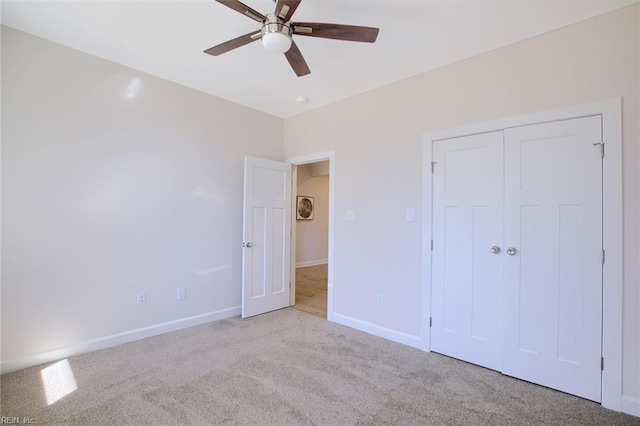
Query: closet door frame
[(611, 112)]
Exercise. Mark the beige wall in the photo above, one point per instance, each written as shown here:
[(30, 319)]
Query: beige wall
[(115, 182), (377, 139), (312, 235)]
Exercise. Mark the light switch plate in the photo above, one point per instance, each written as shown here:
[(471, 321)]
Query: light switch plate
[(181, 293), (410, 215)]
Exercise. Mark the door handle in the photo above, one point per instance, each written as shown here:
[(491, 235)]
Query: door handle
[(511, 251), (247, 245), (495, 249)]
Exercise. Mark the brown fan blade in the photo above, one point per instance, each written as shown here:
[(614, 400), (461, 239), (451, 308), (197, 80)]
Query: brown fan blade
[(244, 9), (233, 44), (336, 31), (297, 62), (289, 6)]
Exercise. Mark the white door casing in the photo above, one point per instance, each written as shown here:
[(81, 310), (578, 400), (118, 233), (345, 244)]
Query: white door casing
[(553, 281), (266, 236), (308, 159), (467, 224)]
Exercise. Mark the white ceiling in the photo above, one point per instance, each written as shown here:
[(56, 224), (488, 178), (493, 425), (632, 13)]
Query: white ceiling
[(167, 39)]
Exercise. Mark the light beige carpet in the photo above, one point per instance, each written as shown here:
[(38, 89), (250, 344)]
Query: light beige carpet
[(288, 368)]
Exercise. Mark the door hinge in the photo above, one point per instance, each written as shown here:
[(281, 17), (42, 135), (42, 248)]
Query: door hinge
[(602, 364), (431, 244), (430, 322), (603, 257), (433, 166), (601, 148)]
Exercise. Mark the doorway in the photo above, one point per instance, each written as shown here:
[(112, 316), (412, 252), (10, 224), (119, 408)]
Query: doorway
[(311, 248)]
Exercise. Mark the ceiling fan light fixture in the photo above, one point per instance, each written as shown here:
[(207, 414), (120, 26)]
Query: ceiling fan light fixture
[(276, 42), (278, 29), (276, 35)]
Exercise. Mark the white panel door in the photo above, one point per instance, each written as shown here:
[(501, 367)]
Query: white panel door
[(266, 236), (467, 223), (553, 278)]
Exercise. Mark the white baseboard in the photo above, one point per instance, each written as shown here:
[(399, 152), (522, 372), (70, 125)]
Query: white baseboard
[(376, 330), (311, 263), (631, 405), (114, 340)]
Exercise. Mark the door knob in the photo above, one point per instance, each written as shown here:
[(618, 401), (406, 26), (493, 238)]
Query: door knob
[(495, 249), (247, 245), (511, 251)]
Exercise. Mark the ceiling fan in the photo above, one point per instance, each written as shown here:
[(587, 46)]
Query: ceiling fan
[(277, 31)]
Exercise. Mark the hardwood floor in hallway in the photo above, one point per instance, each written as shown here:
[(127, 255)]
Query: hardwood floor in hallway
[(311, 290)]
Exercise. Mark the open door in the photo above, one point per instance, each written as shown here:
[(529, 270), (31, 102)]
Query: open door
[(266, 236)]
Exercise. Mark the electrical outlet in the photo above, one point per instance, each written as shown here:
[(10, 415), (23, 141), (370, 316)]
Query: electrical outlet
[(350, 214), (182, 293), (379, 299), (142, 298)]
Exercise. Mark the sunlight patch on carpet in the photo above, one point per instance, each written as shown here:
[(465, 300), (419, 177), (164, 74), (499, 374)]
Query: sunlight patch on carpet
[(58, 381)]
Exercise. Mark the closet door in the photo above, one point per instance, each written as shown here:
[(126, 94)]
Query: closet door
[(553, 266), (467, 223)]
